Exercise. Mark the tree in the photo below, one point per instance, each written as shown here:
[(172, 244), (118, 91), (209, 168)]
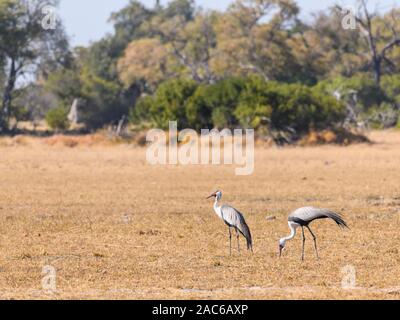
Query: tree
[(183, 8), (2, 75), (324, 49), (128, 25), (101, 101), (66, 84), (93, 75), (252, 36), (379, 43), (104, 98), (24, 44), (190, 37), (144, 61)]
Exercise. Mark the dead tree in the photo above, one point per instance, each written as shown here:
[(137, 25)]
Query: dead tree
[(364, 19)]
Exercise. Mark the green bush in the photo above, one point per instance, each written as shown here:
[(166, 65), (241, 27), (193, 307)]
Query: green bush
[(391, 87), (214, 105), (141, 112), (101, 101), (256, 103), (198, 111), (250, 102), (169, 103), (286, 107), (57, 119)]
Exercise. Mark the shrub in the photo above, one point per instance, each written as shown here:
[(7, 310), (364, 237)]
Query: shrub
[(256, 103), (251, 102), (287, 107), (168, 104), (141, 111), (101, 101), (391, 87), (57, 119), (214, 105), (301, 109), (198, 110)]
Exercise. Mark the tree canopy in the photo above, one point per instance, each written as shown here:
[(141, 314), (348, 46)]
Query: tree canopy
[(255, 64)]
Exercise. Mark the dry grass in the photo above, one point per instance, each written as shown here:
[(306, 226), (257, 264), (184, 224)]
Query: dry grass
[(325, 137), (115, 227)]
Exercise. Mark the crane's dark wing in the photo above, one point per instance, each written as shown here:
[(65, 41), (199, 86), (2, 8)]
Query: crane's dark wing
[(235, 219), (304, 216)]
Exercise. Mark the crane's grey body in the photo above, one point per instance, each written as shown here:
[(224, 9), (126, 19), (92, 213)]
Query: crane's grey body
[(302, 218), (233, 218)]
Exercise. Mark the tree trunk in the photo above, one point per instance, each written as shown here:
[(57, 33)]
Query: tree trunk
[(7, 98), (377, 70)]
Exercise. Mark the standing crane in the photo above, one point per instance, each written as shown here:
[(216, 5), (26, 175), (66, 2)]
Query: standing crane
[(233, 219), (302, 218)]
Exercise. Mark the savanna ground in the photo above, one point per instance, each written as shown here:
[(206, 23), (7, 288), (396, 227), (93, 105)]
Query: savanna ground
[(114, 227)]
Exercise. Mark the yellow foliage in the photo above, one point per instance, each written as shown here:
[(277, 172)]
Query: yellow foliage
[(144, 59)]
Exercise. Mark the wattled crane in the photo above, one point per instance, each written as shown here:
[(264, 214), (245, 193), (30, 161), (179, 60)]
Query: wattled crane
[(302, 218), (233, 219)]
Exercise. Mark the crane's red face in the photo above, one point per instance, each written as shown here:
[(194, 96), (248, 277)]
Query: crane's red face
[(213, 195), (216, 194)]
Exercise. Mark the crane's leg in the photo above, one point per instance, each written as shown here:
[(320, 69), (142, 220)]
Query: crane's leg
[(230, 241), (237, 237), (304, 241), (315, 242)]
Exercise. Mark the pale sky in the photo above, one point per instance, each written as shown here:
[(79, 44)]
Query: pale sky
[(86, 20)]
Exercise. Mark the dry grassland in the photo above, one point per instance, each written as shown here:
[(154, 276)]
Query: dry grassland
[(114, 227)]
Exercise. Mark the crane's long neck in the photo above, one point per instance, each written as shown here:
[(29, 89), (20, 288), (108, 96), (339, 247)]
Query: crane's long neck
[(292, 233), (217, 208)]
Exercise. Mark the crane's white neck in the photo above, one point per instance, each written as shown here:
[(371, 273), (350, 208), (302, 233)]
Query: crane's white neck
[(217, 208), (293, 228)]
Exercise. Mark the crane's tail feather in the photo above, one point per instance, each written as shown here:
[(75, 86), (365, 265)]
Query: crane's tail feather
[(337, 218), (245, 231)]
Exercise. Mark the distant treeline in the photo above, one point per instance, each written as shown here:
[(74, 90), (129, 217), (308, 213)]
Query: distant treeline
[(257, 65)]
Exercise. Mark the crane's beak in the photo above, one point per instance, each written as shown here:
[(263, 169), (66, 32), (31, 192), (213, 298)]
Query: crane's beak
[(213, 195)]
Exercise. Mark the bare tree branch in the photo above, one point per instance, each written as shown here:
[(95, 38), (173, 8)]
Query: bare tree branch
[(364, 20)]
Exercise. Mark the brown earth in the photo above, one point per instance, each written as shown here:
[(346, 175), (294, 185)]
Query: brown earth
[(115, 227)]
